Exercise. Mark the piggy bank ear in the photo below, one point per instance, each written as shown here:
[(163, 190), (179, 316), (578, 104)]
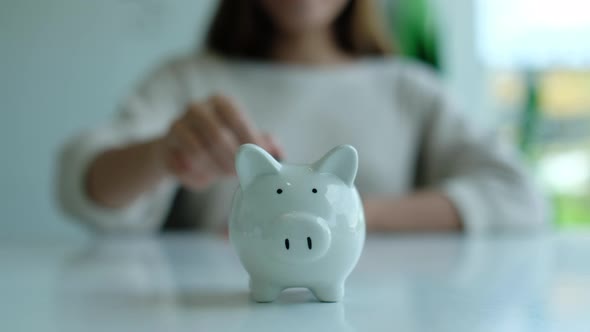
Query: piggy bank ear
[(252, 161), (341, 161)]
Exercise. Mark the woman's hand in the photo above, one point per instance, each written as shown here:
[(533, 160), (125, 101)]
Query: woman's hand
[(201, 144)]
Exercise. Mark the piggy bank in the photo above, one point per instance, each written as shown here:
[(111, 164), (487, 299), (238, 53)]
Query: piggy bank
[(297, 225)]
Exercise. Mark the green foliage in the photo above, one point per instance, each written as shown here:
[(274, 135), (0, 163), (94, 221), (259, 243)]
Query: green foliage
[(415, 33), (572, 211)]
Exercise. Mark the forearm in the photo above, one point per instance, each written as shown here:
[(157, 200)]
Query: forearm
[(117, 177), (420, 211)]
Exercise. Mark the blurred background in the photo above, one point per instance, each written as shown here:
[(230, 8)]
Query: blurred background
[(520, 65)]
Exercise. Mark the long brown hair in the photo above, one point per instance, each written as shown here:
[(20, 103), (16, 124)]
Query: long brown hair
[(242, 29)]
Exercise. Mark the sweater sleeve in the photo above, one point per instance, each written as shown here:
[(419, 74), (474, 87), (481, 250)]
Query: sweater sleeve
[(145, 114), (482, 175)]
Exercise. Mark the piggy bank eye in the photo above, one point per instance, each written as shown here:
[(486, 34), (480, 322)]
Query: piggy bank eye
[(314, 190), (279, 191)]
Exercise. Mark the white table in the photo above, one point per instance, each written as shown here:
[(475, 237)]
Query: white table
[(195, 283)]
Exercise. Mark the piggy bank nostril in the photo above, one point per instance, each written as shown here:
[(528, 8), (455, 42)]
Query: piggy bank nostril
[(287, 244), (309, 242)]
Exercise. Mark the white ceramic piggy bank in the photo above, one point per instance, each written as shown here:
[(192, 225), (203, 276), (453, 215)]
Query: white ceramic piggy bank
[(297, 225)]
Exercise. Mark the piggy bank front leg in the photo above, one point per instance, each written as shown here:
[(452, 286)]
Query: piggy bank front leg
[(262, 291), (333, 292)]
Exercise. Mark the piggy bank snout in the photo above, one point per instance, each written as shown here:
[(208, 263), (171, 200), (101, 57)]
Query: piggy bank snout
[(299, 237)]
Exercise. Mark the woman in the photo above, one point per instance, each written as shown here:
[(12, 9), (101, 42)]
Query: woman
[(297, 77)]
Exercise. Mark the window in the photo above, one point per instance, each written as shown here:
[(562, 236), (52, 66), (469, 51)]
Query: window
[(538, 57)]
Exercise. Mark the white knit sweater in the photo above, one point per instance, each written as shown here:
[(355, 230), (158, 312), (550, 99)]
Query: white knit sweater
[(408, 133)]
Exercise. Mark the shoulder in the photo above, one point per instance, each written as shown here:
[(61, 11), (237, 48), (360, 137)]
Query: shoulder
[(409, 77), (415, 86)]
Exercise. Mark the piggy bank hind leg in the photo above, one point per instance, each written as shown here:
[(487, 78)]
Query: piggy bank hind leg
[(261, 291), (329, 292)]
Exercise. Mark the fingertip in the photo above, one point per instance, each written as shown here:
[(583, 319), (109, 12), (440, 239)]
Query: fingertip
[(221, 99), (214, 98), (273, 147)]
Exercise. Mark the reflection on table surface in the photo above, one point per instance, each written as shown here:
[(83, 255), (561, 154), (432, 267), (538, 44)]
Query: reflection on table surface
[(195, 283)]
